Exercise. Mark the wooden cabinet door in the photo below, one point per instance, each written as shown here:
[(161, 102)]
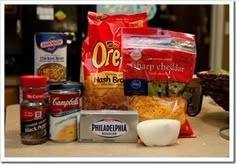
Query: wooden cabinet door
[(11, 96)]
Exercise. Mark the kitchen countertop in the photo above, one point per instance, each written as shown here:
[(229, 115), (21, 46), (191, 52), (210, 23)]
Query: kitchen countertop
[(206, 125)]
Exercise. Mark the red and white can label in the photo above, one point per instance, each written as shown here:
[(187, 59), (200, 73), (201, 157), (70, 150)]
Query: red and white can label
[(60, 102), (64, 108)]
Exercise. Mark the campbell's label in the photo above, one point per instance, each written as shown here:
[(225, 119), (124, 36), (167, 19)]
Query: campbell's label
[(62, 101), (74, 101), (109, 128)]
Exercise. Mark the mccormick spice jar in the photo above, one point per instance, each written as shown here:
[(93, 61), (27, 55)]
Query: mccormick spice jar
[(63, 113), (33, 110)]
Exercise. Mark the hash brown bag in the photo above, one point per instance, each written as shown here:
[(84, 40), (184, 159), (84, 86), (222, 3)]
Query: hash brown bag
[(101, 72)]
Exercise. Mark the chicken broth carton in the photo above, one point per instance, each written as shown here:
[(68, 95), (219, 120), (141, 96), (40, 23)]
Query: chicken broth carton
[(107, 126), (50, 52)]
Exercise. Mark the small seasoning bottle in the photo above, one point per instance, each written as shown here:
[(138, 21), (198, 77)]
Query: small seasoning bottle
[(33, 110)]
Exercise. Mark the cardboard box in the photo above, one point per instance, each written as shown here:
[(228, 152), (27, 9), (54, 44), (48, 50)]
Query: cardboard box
[(50, 56)]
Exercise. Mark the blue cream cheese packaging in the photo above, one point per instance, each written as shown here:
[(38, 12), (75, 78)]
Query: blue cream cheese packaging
[(107, 126)]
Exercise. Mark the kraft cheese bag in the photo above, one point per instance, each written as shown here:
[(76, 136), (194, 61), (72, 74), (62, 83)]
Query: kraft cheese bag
[(101, 72), (158, 65)]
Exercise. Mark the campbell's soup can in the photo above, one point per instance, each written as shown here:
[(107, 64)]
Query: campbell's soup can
[(72, 85), (63, 112)]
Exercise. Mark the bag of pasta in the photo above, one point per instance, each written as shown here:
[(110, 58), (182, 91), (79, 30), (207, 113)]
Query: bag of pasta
[(158, 64), (101, 71)]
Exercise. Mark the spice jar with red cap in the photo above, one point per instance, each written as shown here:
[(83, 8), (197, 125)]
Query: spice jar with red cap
[(33, 110)]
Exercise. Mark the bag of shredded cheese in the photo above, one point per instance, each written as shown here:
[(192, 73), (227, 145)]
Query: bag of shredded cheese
[(101, 71), (157, 65)]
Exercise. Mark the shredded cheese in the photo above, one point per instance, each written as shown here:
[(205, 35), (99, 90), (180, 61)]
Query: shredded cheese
[(151, 107)]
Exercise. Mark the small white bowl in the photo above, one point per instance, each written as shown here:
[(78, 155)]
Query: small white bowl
[(159, 132)]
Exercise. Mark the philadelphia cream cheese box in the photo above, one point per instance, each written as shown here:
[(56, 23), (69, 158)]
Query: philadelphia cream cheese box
[(107, 126)]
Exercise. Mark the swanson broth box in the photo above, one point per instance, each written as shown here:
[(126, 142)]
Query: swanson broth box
[(50, 56)]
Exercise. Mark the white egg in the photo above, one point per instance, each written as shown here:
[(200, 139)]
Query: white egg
[(159, 132)]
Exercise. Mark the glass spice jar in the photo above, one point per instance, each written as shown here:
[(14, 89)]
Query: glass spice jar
[(33, 110)]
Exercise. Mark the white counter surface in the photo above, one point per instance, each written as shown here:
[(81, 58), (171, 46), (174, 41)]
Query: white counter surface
[(206, 125)]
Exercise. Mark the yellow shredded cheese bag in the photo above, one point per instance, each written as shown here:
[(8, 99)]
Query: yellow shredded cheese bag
[(150, 107), (157, 66)]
